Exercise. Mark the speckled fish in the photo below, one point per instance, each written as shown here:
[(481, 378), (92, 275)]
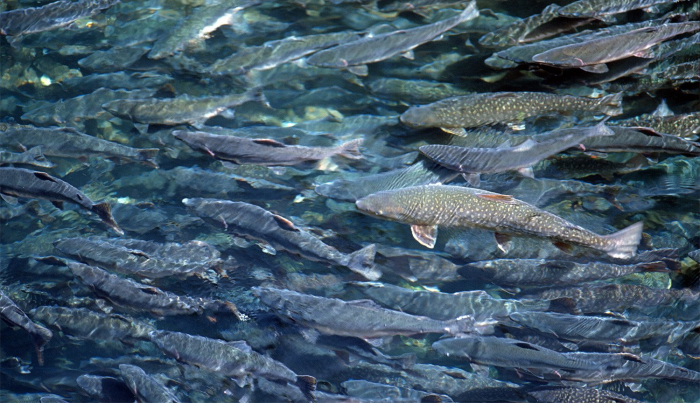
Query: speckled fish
[(145, 387), (454, 114), (273, 53), (446, 306), (414, 91), (427, 207), (18, 182), (604, 329), (592, 55), (235, 359), (474, 161), (33, 156), (504, 352), (51, 16), (595, 8), (68, 142), (140, 297), (536, 272), (203, 21), (263, 151), (86, 324), (11, 314), (359, 318), (420, 173), (572, 394), (255, 222), (685, 125), (183, 109), (371, 49), (142, 258)]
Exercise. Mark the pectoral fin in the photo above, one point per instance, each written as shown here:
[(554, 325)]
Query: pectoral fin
[(564, 247), (595, 68), (473, 179), (10, 199), (58, 204), (527, 172), (361, 71), (504, 241), (457, 131), (425, 234)]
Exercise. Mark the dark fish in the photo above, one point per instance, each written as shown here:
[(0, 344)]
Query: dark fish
[(146, 388), (474, 161), (363, 389), (374, 48), (503, 352), (641, 140), (453, 114), (139, 297), (182, 109), (446, 306), (254, 222), (572, 394), (359, 318), (263, 151), (48, 17), (105, 388), (427, 207), (87, 324), (420, 173), (11, 314), (33, 156), (595, 8), (592, 55), (17, 182), (142, 258), (541, 272), (581, 166), (68, 142)]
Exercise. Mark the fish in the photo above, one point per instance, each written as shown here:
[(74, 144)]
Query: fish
[(112, 60), (69, 142), (573, 394), (51, 16), (139, 297), (542, 272), (378, 391), (504, 352), (11, 314), (142, 258), (414, 91), (641, 140), (581, 166), (19, 182), (420, 173), (682, 125), (474, 161), (446, 306), (596, 8), (105, 388), (33, 156), (256, 223), (182, 109), (358, 318), (592, 55), (86, 324), (427, 207), (274, 53), (263, 151), (145, 387), (456, 113), (354, 56)]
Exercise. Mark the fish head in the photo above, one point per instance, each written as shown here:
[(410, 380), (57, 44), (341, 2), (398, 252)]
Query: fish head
[(384, 205), (419, 116)]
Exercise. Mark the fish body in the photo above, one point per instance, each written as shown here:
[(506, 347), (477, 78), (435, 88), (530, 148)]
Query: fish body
[(183, 109), (18, 182), (572, 394), (145, 387), (91, 325), (262, 151), (256, 223), (641, 140), (68, 142), (596, 8), (371, 49), (51, 16), (503, 107), (686, 125), (359, 318), (414, 91), (11, 314), (427, 207), (33, 156)]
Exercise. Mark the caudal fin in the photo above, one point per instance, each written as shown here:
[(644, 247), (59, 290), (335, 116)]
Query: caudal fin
[(148, 156), (362, 262), (611, 104), (623, 244), (350, 150), (104, 211), (40, 336)]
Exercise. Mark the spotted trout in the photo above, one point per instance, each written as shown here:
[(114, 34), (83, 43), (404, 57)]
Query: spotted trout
[(427, 207)]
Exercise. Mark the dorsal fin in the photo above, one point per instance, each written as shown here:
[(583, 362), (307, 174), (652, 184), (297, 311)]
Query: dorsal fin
[(269, 142), (44, 176), (285, 223)]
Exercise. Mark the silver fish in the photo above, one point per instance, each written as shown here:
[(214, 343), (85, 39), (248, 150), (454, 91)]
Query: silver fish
[(51, 16), (11, 314), (145, 387)]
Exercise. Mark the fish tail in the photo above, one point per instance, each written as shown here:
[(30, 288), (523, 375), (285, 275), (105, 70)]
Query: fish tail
[(623, 244), (307, 385), (148, 156), (104, 211), (40, 338), (611, 104), (350, 150), (362, 262), (39, 158), (463, 324), (469, 12)]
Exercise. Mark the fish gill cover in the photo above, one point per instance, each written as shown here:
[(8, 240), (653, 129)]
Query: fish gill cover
[(349, 200)]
